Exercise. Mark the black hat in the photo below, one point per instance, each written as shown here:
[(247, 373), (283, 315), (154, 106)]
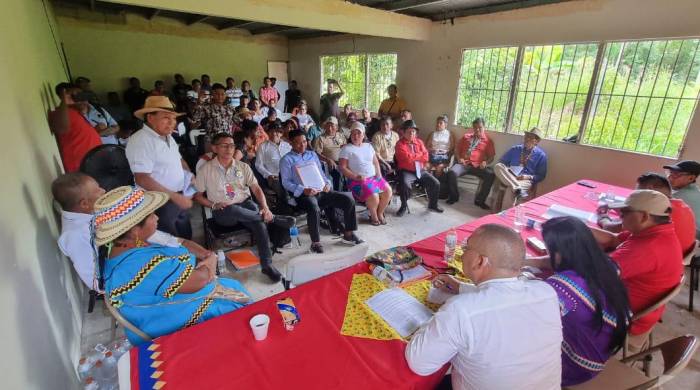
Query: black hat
[(409, 124), (687, 166)]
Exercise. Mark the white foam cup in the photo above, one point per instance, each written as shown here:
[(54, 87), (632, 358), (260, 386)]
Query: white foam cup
[(259, 324)]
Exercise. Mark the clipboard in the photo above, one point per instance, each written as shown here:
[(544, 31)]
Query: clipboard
[(516, 169), (310, 176)]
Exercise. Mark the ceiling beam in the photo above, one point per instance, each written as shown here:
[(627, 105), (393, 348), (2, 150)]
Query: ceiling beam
[(273, 29), (313, 34), (236, 24), (395, 6), (490, 9), (153, 13), (197, 19), (325, 15)]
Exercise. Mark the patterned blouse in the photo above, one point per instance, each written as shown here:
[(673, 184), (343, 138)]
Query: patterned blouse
[(585, 349), (214, 118)]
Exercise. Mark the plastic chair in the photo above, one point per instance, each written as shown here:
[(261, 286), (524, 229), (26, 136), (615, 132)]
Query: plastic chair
[(108, 165), (194, 133), (692, 260), (617, 374), (307, 267), (124, 322), (667, 298)]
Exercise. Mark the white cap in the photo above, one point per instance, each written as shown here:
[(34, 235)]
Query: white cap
[(357, 126)]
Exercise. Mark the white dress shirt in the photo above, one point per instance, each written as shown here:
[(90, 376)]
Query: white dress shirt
[(75, 243), (503, 334), (149, 152), (268, 158)]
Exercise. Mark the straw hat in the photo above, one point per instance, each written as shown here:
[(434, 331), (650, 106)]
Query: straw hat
[(154, 104), (534, 132), (242, 113), (121, 209)]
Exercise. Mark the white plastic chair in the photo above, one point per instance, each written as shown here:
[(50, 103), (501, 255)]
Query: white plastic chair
[(307, 267), (194, 133)]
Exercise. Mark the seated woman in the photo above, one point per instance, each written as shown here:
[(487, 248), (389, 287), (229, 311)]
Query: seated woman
[(158, 289), (595, 311), (305, 120), (258, 113), (245, 142), (441, 144), (360, 165)]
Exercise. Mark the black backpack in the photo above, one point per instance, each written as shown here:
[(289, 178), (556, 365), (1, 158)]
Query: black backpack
[(279, 237)]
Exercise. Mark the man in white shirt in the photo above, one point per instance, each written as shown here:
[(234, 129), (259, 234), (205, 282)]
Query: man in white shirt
[(267, 163), (233, 93), (154, 158), (504, 332), (76, 193)]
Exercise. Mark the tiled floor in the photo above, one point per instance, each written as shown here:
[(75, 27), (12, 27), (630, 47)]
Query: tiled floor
[(400, 231)]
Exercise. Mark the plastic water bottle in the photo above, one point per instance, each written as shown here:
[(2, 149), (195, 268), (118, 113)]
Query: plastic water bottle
[(519, 218), (220, 261), (294, 235), (90, 384), (450, 245), (106, 372), (84, 367)]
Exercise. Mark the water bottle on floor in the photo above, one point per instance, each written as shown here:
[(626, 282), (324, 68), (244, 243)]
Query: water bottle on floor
[(84, 366), (220, 262), (450, 245), (294, 236), (91, 384)]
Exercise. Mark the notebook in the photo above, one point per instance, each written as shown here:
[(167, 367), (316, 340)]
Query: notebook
[(242, 258)]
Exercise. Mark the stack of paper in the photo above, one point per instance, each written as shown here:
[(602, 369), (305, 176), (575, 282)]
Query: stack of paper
[(400, 310), (411, 274), (557, 210)]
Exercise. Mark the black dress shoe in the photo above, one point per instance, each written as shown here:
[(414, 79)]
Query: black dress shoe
[(272, 273), (402, 210), (483, 205), (435, 209), (452, 201), (317, 248)]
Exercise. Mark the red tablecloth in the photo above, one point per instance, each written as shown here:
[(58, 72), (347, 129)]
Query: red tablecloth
[(222, 354), (572, 195)]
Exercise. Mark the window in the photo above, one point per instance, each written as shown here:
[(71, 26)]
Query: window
[(552, 88), (630, 95), (645, 96), (485, 81), (363, 77)]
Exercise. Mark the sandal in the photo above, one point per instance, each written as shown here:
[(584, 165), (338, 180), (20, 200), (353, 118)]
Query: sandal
[(375, 223)]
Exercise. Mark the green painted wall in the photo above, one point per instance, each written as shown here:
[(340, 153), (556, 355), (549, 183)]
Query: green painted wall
[(109, 49), (39, 301)]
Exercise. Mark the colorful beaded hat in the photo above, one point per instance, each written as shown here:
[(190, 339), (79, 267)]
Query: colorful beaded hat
[(121, 209)]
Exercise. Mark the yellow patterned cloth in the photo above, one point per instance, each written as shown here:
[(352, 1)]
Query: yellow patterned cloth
[(361, 321)]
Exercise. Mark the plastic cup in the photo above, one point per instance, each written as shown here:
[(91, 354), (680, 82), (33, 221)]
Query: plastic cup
[(259, 324)]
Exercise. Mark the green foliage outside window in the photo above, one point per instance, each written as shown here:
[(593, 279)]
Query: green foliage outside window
[(363, 77)]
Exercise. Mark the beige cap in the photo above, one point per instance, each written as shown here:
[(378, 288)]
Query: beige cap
[(331, 119), (650, 201), (357, 126)]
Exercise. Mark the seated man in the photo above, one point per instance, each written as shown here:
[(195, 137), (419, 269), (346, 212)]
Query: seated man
[(328, 147), (411, 156), (682, 216), (474, 151), (267, 162), (682, 177), (393, 105), (648, 254), (270, 119), (76, 193), (313, 201), (384, 143), (228, 184), (522, 167), (504, 332)]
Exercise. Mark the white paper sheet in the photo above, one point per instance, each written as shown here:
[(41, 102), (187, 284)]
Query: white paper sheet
[(557, 210), (400, 310), (310, 175), (516, 169), (418, 169), (437, 296)]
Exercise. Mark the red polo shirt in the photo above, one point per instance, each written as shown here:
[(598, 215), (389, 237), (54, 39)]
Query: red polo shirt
[(482, 152), (650, 267), (684, 221), (407, 153), (77, 141)]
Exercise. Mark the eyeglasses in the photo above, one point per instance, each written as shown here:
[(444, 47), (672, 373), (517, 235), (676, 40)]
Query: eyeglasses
[(226, 146), (676, 173)]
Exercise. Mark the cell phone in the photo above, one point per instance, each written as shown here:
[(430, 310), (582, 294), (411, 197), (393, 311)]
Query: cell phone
[(585, 184)]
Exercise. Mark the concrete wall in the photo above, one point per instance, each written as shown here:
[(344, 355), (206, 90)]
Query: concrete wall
[(39, 300), (108, 49), (428, 72)]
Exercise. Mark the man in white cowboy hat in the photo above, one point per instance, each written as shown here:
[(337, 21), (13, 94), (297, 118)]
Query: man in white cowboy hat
[(522, 167), (155, 160), (328, 146), (648, 254)]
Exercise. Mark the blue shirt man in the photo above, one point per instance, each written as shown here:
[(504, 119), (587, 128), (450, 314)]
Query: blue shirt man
[(535, 163), (290, 180), (101, 117)]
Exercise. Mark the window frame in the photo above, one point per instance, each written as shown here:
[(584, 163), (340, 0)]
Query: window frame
[(322, 80), (588, 111)]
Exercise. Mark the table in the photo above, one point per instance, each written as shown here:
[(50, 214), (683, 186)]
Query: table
[(221, 353)]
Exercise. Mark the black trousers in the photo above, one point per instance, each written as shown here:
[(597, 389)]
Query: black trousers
[(428, 181), (174, 220), (247, 214), (486, 175), (282, 195), (328, 202)]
